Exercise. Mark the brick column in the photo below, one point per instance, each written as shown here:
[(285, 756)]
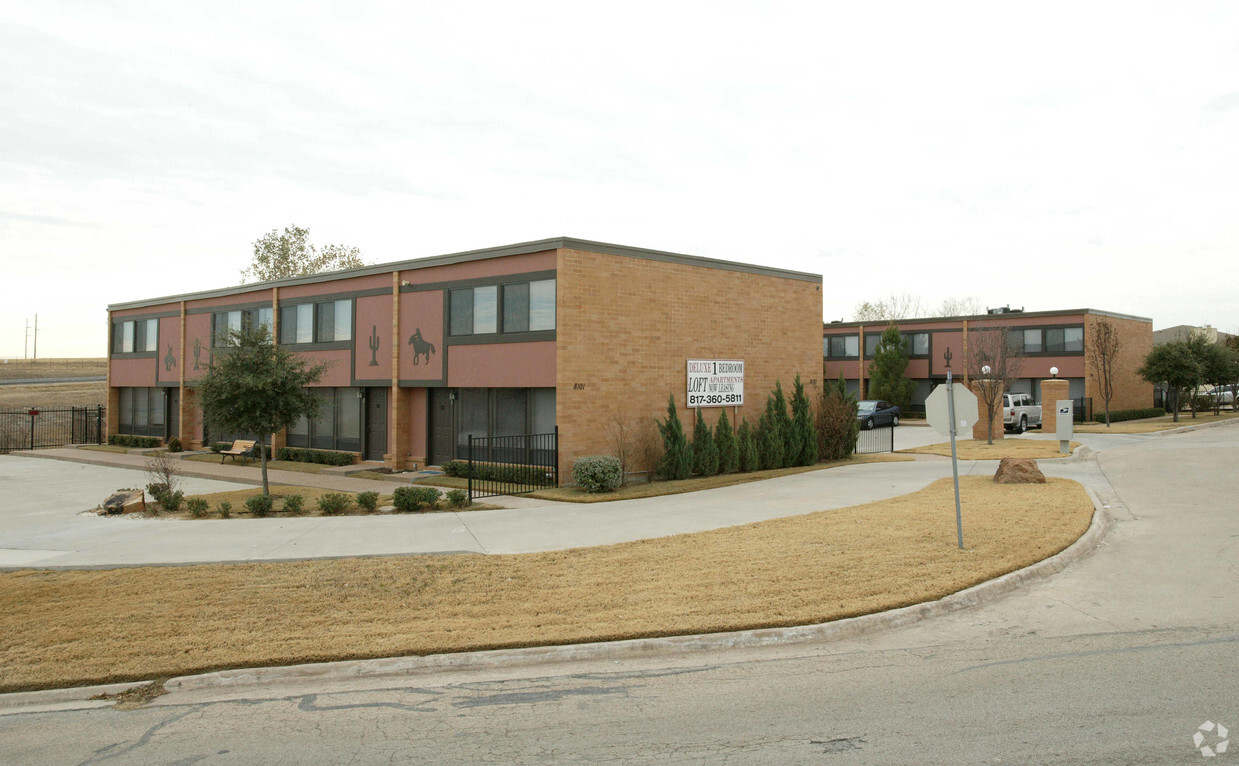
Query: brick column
[(1051, 391), (398, 405), (979, 429)]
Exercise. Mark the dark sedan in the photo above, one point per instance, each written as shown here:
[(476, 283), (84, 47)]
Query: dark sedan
[(873, 413)]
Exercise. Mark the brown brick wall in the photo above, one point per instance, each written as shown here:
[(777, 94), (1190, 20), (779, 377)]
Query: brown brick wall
[(626, 327), (1053, 391), (1136, 341)]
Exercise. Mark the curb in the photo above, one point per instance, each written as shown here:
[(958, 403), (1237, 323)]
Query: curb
[(1195, 427), (645, 647)]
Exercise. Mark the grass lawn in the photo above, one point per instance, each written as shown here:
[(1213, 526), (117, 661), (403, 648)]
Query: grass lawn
[(969, 449), (1153, 425), (61, 628), (659, 488)]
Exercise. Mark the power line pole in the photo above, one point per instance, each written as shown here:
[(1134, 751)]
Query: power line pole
[(36, 336)]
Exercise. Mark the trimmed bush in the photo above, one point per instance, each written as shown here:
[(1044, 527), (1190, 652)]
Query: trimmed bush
[(1117, 416), (174, 445), (457, 468), (218, 447), (369, 501), (804, 434), (129, 440), (769, 438), (747, 457), (316, 456), (598, 473), (408, 499), (225, 509), (332, 503), (725, 440), (458, 498), (677, 459), (705, 451), (521, 474), (293, 503), (776, 404), (259, 505), (196, 506)]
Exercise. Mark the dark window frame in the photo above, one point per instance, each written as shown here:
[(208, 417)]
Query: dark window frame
[(321, 320), (341, 397)]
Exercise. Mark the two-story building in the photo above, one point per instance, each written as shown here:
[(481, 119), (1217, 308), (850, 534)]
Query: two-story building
[(507, 340)]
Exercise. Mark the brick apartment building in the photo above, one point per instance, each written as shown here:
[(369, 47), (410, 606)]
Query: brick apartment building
[(1047, 338), (506, 340)]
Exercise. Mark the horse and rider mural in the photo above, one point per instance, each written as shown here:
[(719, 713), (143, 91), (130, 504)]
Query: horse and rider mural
[(421, 346)]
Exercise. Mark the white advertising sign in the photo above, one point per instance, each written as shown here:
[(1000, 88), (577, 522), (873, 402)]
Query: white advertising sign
[(715, 383)]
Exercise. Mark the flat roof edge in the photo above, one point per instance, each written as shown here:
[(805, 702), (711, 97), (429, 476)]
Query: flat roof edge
[(520, 248), (923, 320)]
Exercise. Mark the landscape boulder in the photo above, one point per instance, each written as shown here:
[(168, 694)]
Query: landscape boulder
[(1018, 470), (125, 501)]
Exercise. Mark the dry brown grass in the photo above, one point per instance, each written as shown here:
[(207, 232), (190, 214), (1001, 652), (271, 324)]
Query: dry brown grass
[(1154, 425), (20, 369), (970, 449), (660, 488), (28, 395), (77, 627)]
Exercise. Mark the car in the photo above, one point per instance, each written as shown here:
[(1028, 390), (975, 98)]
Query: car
[(1020, 412), (1224, 394), (874, 412)]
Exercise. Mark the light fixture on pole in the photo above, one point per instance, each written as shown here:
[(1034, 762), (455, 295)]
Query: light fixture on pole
[(1053, 372), (985, 370)]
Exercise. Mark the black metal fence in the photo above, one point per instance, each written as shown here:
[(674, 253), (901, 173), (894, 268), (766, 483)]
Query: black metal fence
[(41, 428), (1082, 409), (512, 465), (872, 440)]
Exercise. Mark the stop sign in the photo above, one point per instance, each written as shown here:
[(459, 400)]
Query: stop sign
[(966, 412)]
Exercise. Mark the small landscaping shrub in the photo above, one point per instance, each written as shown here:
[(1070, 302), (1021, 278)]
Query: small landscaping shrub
[(408, 499), (317, 456), (677, 459), (747, 458), (171, 501), (129, 440), (598, 473), (218, 447), (292, 503), (523, 474), (174, 445), (259, 505), (196, 506), (1117, 416), (334, 502), (725, 440), (457, 468), (458, 498), (157, 491), (705, 451), (837, 427), (369, 501), (224, 508)]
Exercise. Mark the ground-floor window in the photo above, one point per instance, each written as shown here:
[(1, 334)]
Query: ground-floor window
[(502, 412), (141, 411), (338, 425)]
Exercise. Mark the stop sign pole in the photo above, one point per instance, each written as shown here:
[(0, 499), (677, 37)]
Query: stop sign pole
[(950, 405)]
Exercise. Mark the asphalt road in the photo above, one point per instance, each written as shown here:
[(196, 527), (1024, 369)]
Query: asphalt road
[(1117, 660)]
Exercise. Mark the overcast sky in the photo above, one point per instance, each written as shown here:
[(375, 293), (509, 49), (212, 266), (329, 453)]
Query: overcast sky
[(1039, 155)]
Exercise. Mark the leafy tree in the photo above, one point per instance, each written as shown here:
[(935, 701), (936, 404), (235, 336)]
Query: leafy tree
[(677, 459), (255, 386), (747, 454), (994, 363), (804, 435), (1208, 363), (1104, 347), (291, 254), (1174, 366), (705, 451), (725, 439), (1217, 366), (887, 373), (837, 426)]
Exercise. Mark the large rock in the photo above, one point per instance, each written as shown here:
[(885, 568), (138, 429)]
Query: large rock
[(1018, 470), (125, 501)]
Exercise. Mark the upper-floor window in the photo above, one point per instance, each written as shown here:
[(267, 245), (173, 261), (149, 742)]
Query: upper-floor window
[(225, 322), (323, 322), (1064, 340), (917, 343), (475, 310), (843, 346), (1032, 342), (135, 336), (871, 343), (529, 306)]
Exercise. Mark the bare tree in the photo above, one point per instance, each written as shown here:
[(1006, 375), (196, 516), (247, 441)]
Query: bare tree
[(897, 306), (995, 361), (960, 307), (622, 437), (1104, 345)]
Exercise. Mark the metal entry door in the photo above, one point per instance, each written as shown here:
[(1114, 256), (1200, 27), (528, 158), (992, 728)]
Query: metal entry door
[(442, 429), (376, 423)]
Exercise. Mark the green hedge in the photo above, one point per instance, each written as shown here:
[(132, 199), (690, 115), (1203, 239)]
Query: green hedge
[(407, 499), (1117, 416), (319, 456), (520, 474), (129, 440)]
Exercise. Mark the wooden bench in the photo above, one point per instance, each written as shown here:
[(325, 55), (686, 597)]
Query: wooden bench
[(239, 448)]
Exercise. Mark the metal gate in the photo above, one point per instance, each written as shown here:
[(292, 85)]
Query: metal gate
[(512, 465), (44, 427), (881, 439)]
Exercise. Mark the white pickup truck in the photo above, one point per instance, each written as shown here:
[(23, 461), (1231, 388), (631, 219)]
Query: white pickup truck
[(1020, 412)]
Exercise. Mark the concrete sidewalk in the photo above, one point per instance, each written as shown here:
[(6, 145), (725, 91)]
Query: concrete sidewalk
[(41, 524)]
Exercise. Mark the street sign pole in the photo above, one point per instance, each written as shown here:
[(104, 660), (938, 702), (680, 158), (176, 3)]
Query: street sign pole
[(950, 403)]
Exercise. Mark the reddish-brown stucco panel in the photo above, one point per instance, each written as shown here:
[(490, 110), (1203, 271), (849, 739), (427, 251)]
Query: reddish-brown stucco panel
[(502, 365)]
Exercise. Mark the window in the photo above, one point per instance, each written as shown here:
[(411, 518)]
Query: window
[(135, 336), (323, 322), (502, 412), (474, 310), (1032, 342), (516, 307), (871, 343), (149, 335), (222, 323), (844, 346), (338, 425), (917, 343), (1064, 340), (141, 411), (127, 346)]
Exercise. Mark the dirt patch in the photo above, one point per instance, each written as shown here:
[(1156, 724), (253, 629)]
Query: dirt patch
[(78, 627), (138, 696), (969, 449)]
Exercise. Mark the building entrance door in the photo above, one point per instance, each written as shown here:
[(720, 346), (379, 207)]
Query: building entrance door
[(376, 423), (172, 415), (442, 432)]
